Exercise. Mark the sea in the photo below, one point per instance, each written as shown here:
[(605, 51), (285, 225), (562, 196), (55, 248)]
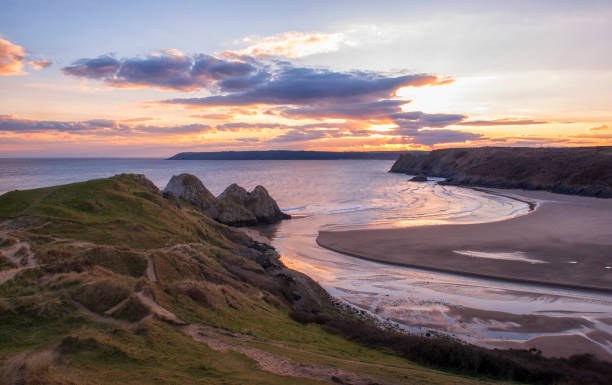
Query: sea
[(339, 195)]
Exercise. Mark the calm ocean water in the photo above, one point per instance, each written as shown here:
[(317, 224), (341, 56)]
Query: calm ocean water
[(344, 194), (343, 191)]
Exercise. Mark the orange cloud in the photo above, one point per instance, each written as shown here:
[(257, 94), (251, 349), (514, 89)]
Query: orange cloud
[(290, 45), (502, 122), (603, 127), (39, 64), (11, 58)]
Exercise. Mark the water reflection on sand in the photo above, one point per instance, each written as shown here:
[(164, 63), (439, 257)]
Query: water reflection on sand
[(488, 312)]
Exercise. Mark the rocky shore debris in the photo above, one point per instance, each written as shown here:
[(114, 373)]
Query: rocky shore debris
[(235, 206), (418, 178)]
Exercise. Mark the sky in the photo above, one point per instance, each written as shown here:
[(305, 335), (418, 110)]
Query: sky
[(153, 78)]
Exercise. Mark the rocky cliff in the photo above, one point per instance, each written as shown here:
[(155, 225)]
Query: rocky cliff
[(235, 206), (582, 171)]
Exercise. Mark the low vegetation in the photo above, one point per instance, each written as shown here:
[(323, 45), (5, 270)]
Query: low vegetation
[(123, 286), (579, 170)]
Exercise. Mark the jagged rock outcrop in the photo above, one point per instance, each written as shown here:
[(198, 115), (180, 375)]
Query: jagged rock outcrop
[(234, 211), (235, 206), (257, 205), (581, 170), (191, 189)]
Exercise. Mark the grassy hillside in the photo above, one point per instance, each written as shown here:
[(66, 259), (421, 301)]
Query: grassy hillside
[(107, 282), (581, 170)]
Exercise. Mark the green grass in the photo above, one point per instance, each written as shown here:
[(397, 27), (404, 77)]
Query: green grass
[(92, 239)]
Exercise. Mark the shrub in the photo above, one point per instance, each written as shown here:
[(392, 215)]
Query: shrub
[(450, 354)]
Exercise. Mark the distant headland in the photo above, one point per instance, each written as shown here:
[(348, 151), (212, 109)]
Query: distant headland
[(576, 170), (289, 155)]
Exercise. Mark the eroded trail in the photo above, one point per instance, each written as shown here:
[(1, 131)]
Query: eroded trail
[(19, 253), (272, 363)]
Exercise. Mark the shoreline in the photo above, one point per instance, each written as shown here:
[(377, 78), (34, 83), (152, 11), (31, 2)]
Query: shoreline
[(531, 232), (582, 288)]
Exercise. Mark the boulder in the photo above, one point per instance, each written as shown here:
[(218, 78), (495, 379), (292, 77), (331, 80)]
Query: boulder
[(233, 210), (419, 178), (235, 206), (264, 207), (189, 188), (241, 206)]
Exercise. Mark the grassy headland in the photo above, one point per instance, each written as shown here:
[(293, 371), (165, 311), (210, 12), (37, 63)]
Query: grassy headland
[(580, 170), (106, 282)]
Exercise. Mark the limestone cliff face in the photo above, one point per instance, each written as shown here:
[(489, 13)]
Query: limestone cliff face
[(582, 171), (235, 206)]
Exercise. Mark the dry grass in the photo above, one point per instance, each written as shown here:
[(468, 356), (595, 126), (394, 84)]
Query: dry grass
[(132, 310), (5, 308), (102, 294), (43, 306), (27, 368), (7, 242), (6, 263)]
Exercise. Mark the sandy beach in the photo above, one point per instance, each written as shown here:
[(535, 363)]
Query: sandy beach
[(566, 241)]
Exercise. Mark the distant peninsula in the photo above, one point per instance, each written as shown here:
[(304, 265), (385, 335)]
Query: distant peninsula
[(288, 155), (578, 170)]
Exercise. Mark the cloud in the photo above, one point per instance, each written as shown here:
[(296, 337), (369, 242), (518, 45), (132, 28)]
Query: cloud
[(423, 128), (168, 70), (432, 137), (99, 127), (11, 58), (603, 127), (102, 67), (303, 136), (290, 44), (417, 119), (245, 81), (379, 109), (501, 122), (40, 64), (240, 126), (310, 86), (212, 116)]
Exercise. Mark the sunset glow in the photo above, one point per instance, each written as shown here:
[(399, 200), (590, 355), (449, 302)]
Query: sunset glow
[(406, 76)]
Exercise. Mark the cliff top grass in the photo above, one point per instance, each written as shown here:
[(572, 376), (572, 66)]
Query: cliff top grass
[(122, 210), (115, 262), (119, 285)]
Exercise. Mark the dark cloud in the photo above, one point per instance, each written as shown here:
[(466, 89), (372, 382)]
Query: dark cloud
[(102, 127), (167, 70), (309, 86), (102, 67), (243, 82), (417, 119), (239, 126), (13, 124), (423, 128), (501, 122), (380, 109), (303, 136)]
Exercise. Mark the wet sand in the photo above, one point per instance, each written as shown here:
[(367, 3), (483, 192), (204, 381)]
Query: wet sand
[(563, 345), (566, 241)]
